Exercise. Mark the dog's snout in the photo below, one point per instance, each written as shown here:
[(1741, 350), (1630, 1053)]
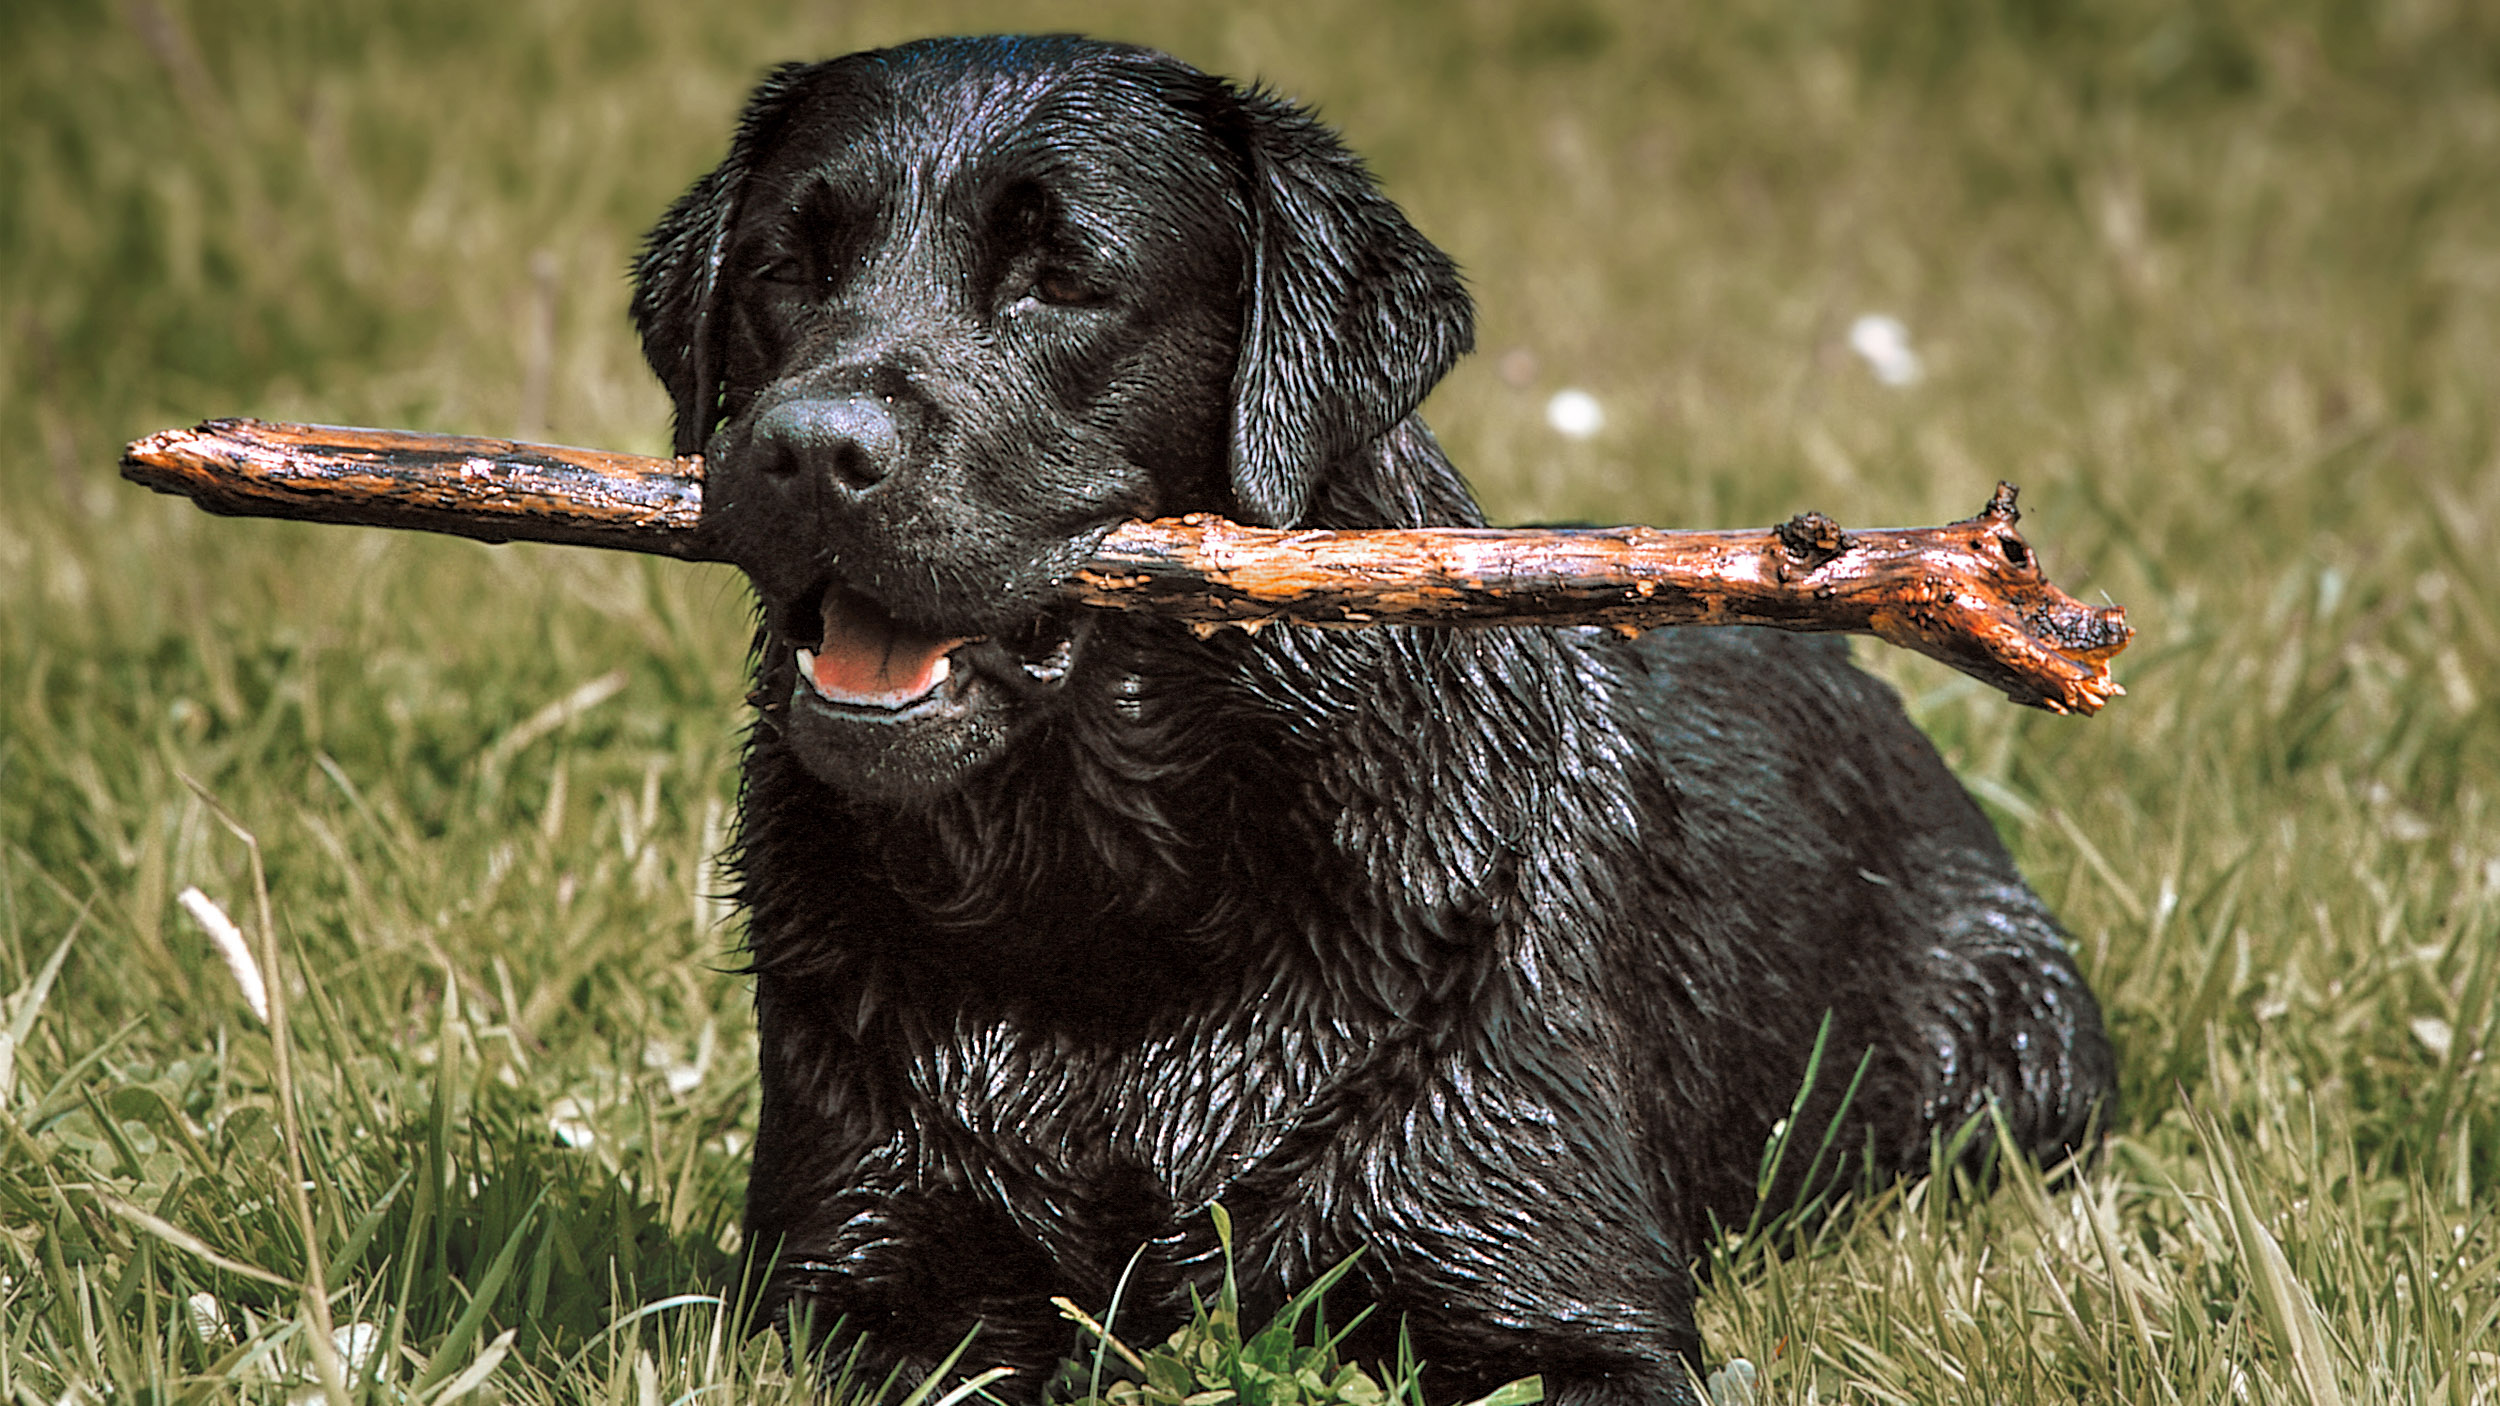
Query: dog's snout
[(852, 440)]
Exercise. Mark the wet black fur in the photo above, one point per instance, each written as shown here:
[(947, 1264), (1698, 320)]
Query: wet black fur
[(1493, 954)]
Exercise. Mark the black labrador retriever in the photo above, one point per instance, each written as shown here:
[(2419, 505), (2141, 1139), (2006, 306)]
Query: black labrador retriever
[(1495, 955)]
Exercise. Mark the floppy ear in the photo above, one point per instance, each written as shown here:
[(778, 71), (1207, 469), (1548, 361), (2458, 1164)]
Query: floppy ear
[(677, 276), (1350, 316)]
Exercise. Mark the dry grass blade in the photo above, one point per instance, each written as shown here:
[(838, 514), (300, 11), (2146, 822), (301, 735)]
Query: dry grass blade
[(2288, 1309), (185, 1241), (27, 1003), (327, 1365)]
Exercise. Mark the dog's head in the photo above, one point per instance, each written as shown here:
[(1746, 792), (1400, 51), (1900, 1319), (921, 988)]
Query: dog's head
[(947, 312)]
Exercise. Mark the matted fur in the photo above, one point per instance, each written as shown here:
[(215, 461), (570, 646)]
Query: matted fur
[(1494, 955)]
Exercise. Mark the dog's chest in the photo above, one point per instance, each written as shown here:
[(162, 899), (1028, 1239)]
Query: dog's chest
[(1185, 1110)]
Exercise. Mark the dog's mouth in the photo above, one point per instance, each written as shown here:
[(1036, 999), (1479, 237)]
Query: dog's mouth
[(856, 659), (864, 659)]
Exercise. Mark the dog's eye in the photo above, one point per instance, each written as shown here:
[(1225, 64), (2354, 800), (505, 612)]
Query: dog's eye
[(1062, 289), (785, 271)]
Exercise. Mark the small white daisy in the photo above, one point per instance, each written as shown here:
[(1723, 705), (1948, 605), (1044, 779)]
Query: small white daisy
[(1885, 345), (1575, 414)]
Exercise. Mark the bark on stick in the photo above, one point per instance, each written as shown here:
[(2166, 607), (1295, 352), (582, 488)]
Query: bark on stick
[(495, 490), (1969, 593)]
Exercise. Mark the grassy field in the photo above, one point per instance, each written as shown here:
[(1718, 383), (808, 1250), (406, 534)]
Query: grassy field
[(2218, 283)]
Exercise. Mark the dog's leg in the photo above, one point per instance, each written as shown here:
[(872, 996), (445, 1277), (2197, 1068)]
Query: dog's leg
[(1998, 997)]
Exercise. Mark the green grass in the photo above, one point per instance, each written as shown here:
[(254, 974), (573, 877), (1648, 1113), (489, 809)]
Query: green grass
[(2217, 283)]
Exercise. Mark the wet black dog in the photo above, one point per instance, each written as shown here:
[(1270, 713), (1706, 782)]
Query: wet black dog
[(1493, 954)]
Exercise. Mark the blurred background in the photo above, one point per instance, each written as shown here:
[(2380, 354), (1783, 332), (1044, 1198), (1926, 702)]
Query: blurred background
[(2216, 282)]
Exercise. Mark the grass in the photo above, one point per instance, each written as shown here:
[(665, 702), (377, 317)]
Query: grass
[(2218, 283)]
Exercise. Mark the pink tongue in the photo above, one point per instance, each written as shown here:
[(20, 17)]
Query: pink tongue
[(868, 660)]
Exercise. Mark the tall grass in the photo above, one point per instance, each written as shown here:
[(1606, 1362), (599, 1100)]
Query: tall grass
[(2218, 283)]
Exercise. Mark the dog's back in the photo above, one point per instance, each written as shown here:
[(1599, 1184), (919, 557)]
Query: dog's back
[(1844, 871)]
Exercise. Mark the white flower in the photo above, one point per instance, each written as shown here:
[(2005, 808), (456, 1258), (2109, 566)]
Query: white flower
[(355, 1343), (683, 1077), (2436, 1035), (1575, 414), (1733, 1384), (1885, 345), (569, 1120), (208, 1317)]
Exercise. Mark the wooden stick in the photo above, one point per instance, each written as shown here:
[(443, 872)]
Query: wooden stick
[(1970, 593), (495, 490)]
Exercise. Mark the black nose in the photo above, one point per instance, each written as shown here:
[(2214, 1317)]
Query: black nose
[(852, 440)]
